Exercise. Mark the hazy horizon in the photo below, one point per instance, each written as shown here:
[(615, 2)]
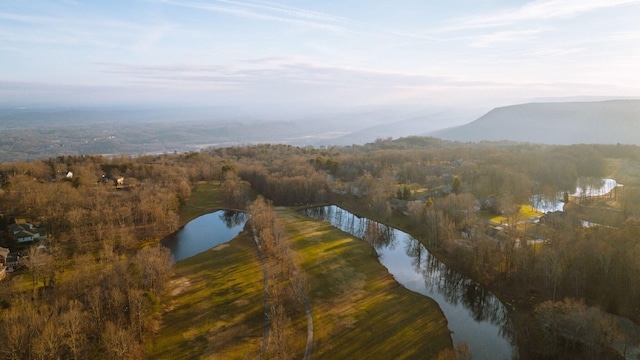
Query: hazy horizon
[(320, 55)]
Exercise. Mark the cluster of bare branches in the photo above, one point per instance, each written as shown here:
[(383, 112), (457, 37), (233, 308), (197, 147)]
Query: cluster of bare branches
[(286, 285)]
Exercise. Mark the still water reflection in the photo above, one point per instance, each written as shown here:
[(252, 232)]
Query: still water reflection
[(585, 186), (205, 232), (474, 314)]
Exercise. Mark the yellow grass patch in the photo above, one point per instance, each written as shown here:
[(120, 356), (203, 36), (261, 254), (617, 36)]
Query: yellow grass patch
[(178, 285), (220, 247), (525, 212)]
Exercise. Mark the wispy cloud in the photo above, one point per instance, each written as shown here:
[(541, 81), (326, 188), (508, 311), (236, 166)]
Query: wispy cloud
[(286, 10), (285, 72), (30, 19), (96, 31), (537, 10), (537, 24), (505, 37), (70, 21), (267, 11)]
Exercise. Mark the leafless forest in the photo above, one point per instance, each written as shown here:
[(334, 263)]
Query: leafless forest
[(104, 275)]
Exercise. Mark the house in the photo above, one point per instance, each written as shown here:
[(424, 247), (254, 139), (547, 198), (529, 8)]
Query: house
[(69, 175), (13, 261), (558, 219), (27, 232), (490, 204), (4, 253), (399, 205)]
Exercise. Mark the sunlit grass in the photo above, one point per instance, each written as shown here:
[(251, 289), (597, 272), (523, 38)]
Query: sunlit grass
[(529, 212), (216, 310), (205, 198), (217, 307), (22, 281), (525, 212), (359, 310)]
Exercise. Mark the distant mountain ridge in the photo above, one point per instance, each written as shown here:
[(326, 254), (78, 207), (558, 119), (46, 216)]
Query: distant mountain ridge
[(42, 132), (563, 123)]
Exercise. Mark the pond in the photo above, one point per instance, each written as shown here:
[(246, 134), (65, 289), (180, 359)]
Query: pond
[(474, 315), (585, 187), (205, 232)]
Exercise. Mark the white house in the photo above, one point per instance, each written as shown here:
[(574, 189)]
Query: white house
[(27, 232)]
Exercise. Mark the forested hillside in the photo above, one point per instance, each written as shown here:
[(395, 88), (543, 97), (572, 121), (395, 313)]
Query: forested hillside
[(101, 274), (604, 122)]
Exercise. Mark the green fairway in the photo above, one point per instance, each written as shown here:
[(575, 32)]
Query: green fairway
[(216, 306), (359, 310), (205, 198)]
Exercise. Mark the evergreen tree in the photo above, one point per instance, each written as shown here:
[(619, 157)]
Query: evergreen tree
[(456, 185)]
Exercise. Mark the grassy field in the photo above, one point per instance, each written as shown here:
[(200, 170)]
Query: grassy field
[(215, 310), (205, 198), (359, 310), (525, 212)]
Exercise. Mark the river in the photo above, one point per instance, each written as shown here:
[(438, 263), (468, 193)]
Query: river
[(475, 316)]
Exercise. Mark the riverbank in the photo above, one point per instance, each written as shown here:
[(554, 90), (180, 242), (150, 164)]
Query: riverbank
[(529, 337), (358, 309), (519, 298), (215, 308)]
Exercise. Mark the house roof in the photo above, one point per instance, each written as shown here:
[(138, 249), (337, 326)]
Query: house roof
[(26, 231), (16, 228)]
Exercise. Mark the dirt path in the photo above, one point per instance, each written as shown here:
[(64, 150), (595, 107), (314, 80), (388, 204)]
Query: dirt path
[(307, 307)]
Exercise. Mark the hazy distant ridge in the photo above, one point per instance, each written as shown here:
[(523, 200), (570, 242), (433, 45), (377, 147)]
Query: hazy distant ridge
[(602, 122)]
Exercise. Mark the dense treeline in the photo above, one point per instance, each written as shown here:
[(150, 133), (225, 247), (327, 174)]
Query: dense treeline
[(93, 291), (94, 264), (285, 286), (596, 264), (102, 309)]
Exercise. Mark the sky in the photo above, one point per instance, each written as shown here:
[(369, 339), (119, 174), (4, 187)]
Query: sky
[(321, 54)]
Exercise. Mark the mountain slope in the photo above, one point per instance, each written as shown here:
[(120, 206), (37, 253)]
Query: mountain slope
[(405, 126), (603, 122)]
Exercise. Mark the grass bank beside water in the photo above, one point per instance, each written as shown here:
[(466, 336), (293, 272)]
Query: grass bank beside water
[(205, 198), (358, 309), (215, 310)]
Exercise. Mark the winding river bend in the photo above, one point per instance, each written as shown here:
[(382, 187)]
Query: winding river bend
[(474, 315)]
